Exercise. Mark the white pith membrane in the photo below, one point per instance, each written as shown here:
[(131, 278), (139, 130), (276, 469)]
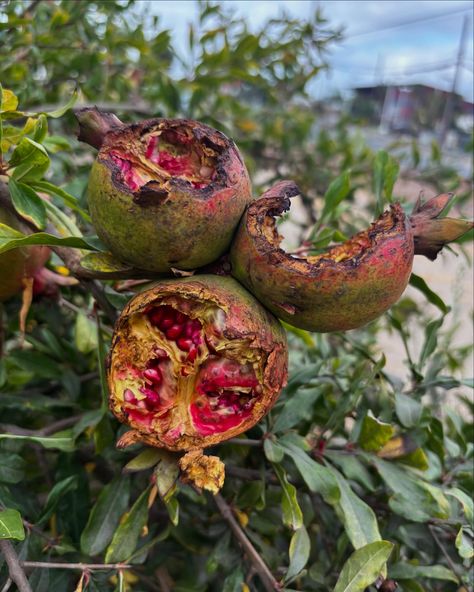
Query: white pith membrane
[(162, 154), (193, 383)]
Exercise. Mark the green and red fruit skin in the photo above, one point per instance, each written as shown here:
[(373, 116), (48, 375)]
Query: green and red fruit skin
[(172, 216), (185, 390)]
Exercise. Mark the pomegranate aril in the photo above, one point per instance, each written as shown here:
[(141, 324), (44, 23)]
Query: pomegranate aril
[(180, 317), (174, 332), (184, 344), (166, 323), (129, 396), (154, 375), (192, 354), (155, 316)]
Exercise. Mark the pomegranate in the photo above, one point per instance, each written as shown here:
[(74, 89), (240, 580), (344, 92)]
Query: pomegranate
[(164, 193), (194, 361), (350, 284), (18, 264)]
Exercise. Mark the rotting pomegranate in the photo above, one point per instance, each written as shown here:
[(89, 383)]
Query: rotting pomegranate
[(348, 285), (194, 361), (18, 264), (164, 193)]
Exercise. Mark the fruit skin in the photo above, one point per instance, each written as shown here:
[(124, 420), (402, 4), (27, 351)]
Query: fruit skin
[(344, 288), (17, 264), (181, 226), (245, 323)]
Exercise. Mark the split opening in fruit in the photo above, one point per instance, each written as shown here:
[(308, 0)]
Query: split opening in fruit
[(159, 154), (177, 374)]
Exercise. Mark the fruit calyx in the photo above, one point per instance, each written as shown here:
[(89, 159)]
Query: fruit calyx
[(193, 362), (344, 288), (431, 233)]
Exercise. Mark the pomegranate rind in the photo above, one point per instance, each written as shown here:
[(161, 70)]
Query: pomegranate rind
[(182, 226), (344, 288), (18, 264), (251, 331), (201, 471)]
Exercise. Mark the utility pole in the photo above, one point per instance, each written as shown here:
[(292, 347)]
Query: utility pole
[(449, 106)]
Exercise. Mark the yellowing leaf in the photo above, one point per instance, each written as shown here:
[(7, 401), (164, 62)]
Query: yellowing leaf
[(9, 101)]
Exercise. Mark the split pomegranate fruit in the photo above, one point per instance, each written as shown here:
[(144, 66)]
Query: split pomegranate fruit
[(18, 264), (164, 193), (348, 285), (194, 361)]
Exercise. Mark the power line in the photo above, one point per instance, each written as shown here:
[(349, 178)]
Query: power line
[(406, 23)]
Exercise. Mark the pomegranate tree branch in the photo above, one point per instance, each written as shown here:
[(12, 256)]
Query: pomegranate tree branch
[(78, 566), (15, 569), (259, 564)]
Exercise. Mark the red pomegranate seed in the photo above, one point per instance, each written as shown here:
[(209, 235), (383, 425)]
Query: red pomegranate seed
[(154, 375), (129, 396), (184, 344), (155, 316), (151, 146), (180, 317), (174, 332), (166, 323), (192, 354)]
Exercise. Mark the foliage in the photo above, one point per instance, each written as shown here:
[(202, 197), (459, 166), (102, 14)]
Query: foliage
[(356, 477)]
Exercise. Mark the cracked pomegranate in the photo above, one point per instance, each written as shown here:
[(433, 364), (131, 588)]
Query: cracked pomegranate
[(195, 361), (348, 285), (18, 264), (164, 193)]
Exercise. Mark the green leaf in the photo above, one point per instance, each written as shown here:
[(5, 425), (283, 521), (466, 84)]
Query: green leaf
[(384, 174), (273, 451), (300, 547), (431, 341), (11, 467), (145, 460), (317, 477), (298, 407), (465, 501), (338, 190), (464, 543), (105, 516), (166, 473), (57, 492), (363, 567), (125, 539), (41, 129), (419, 283), (359, 519), (374, 434), (11, 525), (408, 410), (8, 100), (403, 571), (68, 199), (29, 159), (292, 514), (85, 334), (64, 224), (12, 239), (103, 263), (28, 203), (58, 441), (62, 110)]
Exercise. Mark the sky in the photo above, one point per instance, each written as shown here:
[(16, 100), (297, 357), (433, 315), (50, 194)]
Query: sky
[(375, 50)]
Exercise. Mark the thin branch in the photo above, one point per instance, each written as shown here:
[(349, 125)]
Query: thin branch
[(244, 442), (56, 426), (14, 566), (8, 585), (269, 582), (442, 548), (78, 566)]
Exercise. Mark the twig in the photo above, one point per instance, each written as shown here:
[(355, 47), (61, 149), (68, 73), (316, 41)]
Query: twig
[(442, 548), (269, 582), (14, 566), (244, 442), (164, 579), (56, 426), (7, 586), (78, 566)]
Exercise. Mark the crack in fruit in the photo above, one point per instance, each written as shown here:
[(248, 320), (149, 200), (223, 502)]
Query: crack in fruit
[(164, 154), (180, 371)]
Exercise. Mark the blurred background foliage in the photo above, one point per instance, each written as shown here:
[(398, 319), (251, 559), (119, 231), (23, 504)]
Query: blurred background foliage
[(351, 455)]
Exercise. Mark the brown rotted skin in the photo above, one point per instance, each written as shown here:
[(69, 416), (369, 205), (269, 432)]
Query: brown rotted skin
[(159, 226), (18, 264), (342, 289), (244, 323)]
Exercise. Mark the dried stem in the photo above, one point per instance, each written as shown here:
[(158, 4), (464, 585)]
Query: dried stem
[(15, 569), (442, 548), (269, 582)]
